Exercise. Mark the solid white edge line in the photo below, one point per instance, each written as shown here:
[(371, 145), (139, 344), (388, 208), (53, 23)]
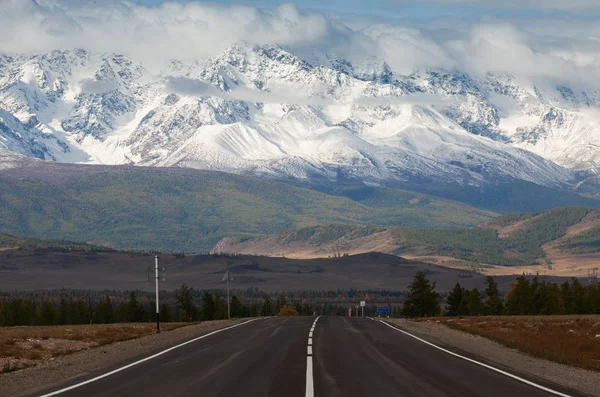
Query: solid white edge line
[(479, 363), (142, 360)]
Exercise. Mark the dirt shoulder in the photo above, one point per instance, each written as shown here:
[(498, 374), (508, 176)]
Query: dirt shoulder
[(60, 369), (493, 353)]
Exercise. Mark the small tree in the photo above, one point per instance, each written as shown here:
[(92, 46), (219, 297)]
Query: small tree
[(185, 300), (209, 308), (266, 307), (134, 309), (47, 314), (422, 300), (475, 305), (493, 303), (518, 299), (288, 311), (64, 315), (165, 313), (455, 297), (236, 307)]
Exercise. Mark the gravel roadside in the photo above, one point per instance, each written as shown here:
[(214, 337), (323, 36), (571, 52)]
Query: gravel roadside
[(60, 369), (488, 351)]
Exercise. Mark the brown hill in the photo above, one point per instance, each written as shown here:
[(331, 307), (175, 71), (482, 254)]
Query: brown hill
[(561, 242)]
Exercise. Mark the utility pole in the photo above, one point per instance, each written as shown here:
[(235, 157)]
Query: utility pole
[(157, 306), (90, 307), (228, 278)]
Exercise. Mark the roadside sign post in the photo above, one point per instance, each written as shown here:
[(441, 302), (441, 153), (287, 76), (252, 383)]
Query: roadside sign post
[(383, 310), (362, 305)]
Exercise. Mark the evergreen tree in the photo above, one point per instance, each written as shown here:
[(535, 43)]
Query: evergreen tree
[(253, 310), (568, 298), (236, 307), (5, 315), (266, 307), (493, 305), (455, 297), (185, 301), (422, 300), (165, 313), (134, 309), (518, 299), (475, 305), (64, 317), (208, 306), (79, 312), (47, 314), (105, 312), (220, 308), (579, 296)]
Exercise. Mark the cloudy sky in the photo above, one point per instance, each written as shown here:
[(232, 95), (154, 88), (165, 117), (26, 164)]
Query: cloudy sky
[(426, 8), (542, 39)]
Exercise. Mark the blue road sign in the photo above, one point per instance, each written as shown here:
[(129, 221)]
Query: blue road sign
[(383, 310)]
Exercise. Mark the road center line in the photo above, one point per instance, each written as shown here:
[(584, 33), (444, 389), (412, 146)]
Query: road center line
[(310, 386), (142, 360), (479, 363)]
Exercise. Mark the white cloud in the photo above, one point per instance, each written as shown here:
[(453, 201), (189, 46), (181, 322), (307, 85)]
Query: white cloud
[(91, 86), (546, 47), (563, 5), (293, 95)]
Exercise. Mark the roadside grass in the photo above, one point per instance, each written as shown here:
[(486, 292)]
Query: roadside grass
[(22, 347), (571, 340)]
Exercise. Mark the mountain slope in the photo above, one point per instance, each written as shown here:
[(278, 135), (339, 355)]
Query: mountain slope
[(173, 209), (560, 241), (265, 111)]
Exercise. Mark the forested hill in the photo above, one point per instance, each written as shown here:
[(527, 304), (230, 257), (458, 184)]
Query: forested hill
[(182, 210), (8, 242), (509, 240)]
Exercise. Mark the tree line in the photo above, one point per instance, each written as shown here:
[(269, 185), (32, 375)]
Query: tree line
[(525, 297), (186, 306)]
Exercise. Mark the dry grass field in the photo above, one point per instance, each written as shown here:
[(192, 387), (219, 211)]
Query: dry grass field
[(572, 340), (27, 346)]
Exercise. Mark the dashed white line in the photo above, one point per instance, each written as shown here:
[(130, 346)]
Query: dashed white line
[(481, 364), (142, 360), (310, 387)]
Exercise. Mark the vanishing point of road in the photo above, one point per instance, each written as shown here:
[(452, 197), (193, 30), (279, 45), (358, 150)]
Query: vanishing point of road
[(306, 357)]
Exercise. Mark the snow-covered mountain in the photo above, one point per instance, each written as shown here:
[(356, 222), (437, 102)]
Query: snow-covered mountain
[(266, 111)]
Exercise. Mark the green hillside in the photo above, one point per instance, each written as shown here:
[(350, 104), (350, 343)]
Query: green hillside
[(509, 240), (181, 210), (483, 245)]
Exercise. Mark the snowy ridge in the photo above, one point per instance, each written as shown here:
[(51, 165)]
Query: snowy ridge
[(263, 110)]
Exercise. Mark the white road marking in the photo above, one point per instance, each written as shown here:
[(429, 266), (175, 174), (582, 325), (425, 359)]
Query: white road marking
[(479, 363), (142, 360), (310, 386)]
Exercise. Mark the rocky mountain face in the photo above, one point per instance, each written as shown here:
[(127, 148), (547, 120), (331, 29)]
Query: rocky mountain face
[(265, 111)]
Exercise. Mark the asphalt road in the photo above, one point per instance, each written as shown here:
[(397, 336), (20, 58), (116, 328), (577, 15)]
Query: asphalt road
[(268, 357)]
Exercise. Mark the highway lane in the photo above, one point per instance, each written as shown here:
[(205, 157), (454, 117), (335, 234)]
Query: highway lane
[(268, 357), (362, 357), (264, 358)]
